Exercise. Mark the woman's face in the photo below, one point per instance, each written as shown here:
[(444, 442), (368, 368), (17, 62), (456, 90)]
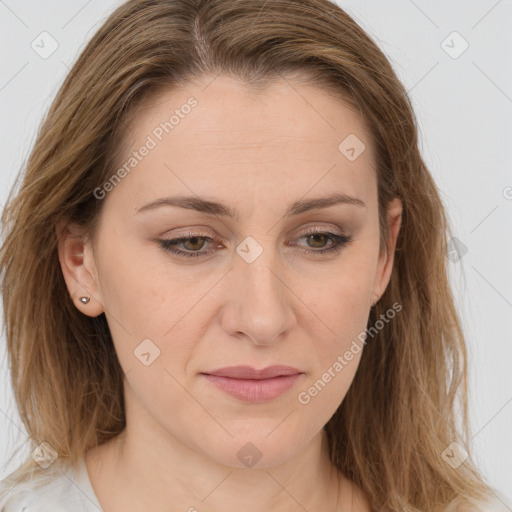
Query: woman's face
[(250, 284)]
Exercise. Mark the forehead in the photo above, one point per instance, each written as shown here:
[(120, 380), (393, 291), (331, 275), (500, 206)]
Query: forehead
[(287, 135)]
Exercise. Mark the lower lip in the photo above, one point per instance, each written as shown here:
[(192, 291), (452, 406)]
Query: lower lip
[(251, 390)]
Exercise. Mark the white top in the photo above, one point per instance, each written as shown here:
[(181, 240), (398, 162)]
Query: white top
[(63, 488)]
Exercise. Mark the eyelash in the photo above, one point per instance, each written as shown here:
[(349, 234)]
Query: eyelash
[(339, 242)]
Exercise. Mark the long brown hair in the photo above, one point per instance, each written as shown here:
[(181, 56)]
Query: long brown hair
[(400, 414)]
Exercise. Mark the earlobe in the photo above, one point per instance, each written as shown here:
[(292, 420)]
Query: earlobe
[(77, 263)]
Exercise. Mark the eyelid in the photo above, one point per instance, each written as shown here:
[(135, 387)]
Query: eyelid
[(189, 232), (322, 229)]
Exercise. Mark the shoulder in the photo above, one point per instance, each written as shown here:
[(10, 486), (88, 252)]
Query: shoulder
[(54, 489)]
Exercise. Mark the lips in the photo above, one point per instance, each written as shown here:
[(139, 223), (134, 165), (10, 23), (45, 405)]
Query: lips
[(251, 385), (247, 372)]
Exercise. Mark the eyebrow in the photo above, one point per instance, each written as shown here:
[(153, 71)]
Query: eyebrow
[(221, 209)]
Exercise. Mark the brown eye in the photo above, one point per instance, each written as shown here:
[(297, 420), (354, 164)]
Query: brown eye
[(195, 243), (319, 238), (192, 245)]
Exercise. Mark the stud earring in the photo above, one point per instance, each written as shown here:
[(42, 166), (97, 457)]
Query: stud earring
[(85, 300)]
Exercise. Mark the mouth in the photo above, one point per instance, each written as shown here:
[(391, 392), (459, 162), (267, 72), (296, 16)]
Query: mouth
[(251, 385)]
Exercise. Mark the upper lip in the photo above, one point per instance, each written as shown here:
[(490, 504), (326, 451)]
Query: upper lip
[(248, 372)]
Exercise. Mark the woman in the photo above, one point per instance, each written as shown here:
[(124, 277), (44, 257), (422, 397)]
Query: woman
[(224, 276)]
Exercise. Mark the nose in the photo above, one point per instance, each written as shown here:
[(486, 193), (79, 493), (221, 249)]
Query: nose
[(260, 306)]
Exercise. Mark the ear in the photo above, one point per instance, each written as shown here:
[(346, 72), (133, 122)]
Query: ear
[(386, 259), (76, 258)]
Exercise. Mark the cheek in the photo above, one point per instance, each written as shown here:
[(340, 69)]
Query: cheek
[(155, 317), (135, 290), (339, 292), (322, 393), (341, 309), (337, 354), (339, 304)]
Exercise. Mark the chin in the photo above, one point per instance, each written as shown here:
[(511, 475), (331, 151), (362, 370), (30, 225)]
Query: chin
[(259, 450)]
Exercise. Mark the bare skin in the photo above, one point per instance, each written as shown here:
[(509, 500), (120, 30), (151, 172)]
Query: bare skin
[(257, 153)]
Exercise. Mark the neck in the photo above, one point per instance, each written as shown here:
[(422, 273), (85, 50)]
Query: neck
[(147, 468)]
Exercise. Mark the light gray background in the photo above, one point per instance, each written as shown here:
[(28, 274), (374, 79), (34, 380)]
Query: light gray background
[(464, 108)]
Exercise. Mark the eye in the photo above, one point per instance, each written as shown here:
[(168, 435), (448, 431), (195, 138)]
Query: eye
[(338, 242), (193, 243)]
